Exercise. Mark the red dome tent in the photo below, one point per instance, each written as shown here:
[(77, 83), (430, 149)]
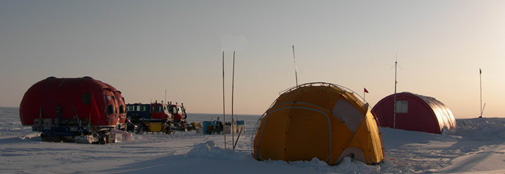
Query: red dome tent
[(414, 112)]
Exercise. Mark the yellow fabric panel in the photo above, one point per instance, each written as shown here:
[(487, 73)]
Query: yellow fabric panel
[(323, 96), (289, 97), (307, 136), (272, 135), (334, 95), (378, 153), (340, 136), (315, 95), (256, 140), (367, 138)]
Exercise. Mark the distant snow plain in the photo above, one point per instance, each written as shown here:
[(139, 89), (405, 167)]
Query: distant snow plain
[(475, 146)]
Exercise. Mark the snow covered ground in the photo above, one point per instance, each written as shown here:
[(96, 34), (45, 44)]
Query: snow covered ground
[(476, 146)]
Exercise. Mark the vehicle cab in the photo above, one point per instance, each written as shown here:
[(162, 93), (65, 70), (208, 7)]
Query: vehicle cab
[(159, 111), (178, 112)]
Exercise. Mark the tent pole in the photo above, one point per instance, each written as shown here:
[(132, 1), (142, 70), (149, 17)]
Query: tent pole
[(224, 117)]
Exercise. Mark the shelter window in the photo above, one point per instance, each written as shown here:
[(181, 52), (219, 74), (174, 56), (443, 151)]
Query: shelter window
[(402, 106), (121, 109), (110, 109)]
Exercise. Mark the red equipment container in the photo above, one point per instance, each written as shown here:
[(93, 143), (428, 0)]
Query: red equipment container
[(57, 102)]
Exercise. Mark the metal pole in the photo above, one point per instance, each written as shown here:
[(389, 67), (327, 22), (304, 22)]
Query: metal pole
[(236, 142), (224, 117), (294, 60), (480, 78), (232, 94), (394, 99)]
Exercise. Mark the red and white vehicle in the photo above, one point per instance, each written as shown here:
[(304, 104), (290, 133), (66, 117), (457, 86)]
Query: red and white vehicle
[(157, 117)]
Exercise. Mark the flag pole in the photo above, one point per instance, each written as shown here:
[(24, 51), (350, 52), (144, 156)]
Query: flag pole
[(364, 94)]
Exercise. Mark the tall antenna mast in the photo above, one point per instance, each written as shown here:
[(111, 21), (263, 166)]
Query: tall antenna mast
[(480, 78), (394, 98), (224, 117), (294, 60), (232, 92)]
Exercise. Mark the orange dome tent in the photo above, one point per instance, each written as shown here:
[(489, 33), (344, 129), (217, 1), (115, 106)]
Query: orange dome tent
[(318, 120)]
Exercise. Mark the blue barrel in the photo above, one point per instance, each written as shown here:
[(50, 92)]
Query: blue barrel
[(205, 125)]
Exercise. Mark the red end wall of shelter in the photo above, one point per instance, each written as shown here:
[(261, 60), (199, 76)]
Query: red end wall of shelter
[(84, 98), (414, 112)]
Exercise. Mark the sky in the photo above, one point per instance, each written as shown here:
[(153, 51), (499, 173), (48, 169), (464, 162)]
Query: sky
[(144, 48)]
